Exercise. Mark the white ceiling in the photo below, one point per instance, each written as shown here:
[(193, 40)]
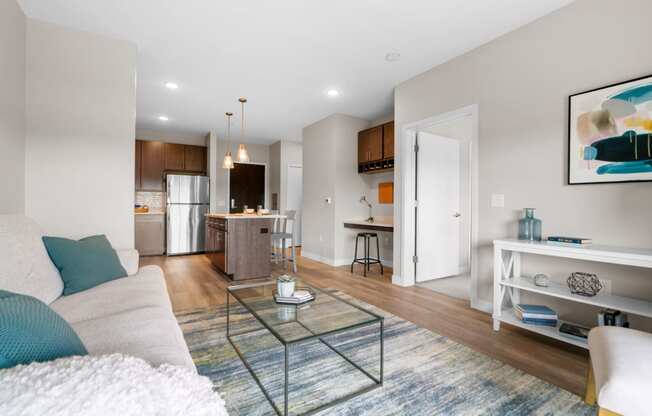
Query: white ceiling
[(284, 54)]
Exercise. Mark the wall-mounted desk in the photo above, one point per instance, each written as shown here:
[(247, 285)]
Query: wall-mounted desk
[(378, 225)]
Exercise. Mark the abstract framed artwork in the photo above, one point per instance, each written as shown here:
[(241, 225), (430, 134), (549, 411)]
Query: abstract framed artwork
[(610, 133)]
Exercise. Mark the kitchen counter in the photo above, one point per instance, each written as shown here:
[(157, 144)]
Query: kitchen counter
[(150, 213), (228, 216), (240, 245), (379, 224)]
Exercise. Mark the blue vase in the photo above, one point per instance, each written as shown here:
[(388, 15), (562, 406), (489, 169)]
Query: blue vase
[(529, 228)]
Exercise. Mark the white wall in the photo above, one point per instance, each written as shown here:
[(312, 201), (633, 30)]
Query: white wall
[(12, 108), (521, 83), (171, 137), (81, 108)]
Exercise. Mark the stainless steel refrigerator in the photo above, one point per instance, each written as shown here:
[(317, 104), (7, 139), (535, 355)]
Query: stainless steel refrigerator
[(187, 206)]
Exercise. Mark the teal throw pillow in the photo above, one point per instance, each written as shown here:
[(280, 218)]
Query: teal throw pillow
[(31, 331), (84, 264)]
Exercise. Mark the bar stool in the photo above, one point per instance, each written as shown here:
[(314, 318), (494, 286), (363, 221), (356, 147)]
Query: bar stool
[(281, 235), (366, 261)]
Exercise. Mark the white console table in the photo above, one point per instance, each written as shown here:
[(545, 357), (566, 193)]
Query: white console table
[(509, 281)]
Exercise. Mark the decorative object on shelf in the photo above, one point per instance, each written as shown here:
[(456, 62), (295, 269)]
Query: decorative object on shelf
[(228, 159), (243, 156), (609, 133), (529, 228), (569, 240), (363, 200), (585, 284), (541, 280), (285, 285), (612, 317)]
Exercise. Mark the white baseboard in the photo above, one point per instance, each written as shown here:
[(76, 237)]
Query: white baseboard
[(398, 281), (317, 257), (483, 306), (336, 262)]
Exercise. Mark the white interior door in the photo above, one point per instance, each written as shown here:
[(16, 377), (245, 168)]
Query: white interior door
[(438, 213), (294, 199)]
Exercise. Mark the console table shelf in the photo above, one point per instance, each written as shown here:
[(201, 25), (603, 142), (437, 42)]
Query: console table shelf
[(508, 280)]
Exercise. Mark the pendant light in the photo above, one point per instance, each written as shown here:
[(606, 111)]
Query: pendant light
[(228, 159), (243, 156)]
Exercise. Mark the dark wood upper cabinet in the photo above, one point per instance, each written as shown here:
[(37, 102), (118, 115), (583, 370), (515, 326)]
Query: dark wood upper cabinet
[(139, 155), (375, 143), (388, 140), (195, 158), (363, 146), (174, 156), (153, 159), (152, 165), (376, 148)]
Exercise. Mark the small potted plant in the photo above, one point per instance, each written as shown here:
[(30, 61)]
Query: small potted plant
[(285, 285)]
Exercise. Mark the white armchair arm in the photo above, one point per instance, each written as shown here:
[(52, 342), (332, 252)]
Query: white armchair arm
[(129, 259)]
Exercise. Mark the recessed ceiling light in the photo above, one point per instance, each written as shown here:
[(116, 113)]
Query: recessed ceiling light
[(333, 93), (171, 85), (392, 56), (163, 118)]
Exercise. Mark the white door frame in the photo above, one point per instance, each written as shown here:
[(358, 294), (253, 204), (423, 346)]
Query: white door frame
[(408, 140), (228, 183)]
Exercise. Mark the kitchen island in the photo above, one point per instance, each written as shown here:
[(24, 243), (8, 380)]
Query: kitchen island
[(239, 245)]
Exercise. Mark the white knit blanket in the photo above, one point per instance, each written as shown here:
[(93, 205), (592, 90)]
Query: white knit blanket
[(106, 385)]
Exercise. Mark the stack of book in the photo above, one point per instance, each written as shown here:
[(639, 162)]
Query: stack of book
[(297, 298), (536, 314), (573, 331), (569, 240)]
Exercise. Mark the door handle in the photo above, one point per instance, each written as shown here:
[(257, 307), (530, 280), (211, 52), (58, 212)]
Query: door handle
[(232, 202), (457, 215)]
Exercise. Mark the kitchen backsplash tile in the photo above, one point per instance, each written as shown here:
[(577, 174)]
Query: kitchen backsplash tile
[(154, 200)]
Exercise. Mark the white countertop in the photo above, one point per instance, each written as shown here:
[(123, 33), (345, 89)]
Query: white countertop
[(150, 213), (227, 216), (382, 222)]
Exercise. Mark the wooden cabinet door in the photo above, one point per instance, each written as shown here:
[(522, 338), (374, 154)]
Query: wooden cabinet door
[(363, 146), (174, 156), (388, 140), (375, 141), (152, 166), (195, 158), (139, 155)]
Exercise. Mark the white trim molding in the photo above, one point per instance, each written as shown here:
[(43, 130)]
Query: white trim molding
[(408, 136)]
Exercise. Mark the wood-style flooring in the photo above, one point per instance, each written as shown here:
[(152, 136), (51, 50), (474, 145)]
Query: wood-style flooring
[(194, 283)]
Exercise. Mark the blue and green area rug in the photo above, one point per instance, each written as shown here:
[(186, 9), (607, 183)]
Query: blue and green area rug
[(424, 373)]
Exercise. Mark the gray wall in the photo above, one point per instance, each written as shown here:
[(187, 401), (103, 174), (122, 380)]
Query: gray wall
[(258, 153), (318, 184), (291, 154), (81, 109), (171, 137), (330, 169), (12, 108), (275, 173), (521, 82)]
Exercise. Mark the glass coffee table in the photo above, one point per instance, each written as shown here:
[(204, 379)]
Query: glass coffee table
[(327, 316)]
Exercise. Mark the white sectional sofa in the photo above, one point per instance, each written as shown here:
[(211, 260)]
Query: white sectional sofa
[(132, 315)]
